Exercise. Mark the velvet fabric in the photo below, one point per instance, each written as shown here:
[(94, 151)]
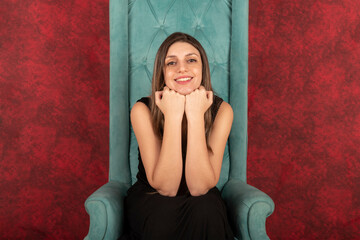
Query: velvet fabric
[(137, 28), (150, 22)]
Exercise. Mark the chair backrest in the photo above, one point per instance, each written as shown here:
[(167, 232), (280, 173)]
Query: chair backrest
[(137, 28)]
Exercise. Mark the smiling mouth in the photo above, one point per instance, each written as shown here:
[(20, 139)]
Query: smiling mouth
[(183, 79)]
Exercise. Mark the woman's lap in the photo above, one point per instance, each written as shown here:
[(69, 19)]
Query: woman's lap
[(153, 216)]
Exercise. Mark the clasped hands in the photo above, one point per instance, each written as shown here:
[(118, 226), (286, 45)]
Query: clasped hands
[(173, 104)]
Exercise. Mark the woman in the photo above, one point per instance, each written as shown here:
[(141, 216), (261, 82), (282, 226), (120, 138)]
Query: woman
[(181, 129)]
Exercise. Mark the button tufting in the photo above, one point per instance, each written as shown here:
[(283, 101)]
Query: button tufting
[(198, 27), (162, 26)]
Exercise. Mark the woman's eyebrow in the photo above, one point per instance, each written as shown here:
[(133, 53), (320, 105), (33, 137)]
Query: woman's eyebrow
[(189, 54), (173, 56)]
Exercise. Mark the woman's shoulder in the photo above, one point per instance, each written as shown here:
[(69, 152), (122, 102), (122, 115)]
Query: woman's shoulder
[(219, 104), (221, 107), (225, 107), (142, 105), (225, 111)]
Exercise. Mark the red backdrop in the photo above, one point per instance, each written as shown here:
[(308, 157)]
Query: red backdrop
[(304, 115), (54, 76)]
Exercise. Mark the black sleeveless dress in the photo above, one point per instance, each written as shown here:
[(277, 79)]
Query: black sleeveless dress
[(151, 216)]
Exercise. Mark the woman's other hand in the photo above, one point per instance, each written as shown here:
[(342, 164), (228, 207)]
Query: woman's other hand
[(198, 102), (171, 103)]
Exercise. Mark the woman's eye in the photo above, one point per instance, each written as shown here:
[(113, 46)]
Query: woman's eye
[(170, 63), (192, 60)]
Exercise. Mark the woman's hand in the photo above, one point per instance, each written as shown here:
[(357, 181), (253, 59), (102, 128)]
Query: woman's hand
[(198, 102), (171, 103)]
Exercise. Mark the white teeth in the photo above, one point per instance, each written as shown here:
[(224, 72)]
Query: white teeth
[(183, 79)]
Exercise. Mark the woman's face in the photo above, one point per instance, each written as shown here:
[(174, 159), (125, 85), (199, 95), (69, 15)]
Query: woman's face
[(183, 68)]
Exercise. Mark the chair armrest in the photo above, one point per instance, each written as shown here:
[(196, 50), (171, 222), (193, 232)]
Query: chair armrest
[(106, 210), (248, 209)]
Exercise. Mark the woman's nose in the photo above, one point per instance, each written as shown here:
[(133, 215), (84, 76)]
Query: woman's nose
[(182, 67)]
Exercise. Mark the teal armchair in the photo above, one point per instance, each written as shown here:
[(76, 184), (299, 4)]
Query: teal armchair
[(137, 28)]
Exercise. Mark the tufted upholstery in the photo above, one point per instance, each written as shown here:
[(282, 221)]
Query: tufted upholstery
[(137, 28), (150, 22)]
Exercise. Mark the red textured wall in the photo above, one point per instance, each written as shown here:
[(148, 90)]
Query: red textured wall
[(304, 115), (54, 83)]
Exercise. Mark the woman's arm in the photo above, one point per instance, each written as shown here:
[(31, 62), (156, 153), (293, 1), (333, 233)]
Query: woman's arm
[(162, 159), (202, 169)]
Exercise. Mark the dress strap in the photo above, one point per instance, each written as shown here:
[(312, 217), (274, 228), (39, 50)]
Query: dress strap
[(145, 100)]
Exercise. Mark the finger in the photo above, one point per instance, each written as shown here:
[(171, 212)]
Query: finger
[(201, 87), (202, 90), (182, 96), (166, 88), (158, 96), (210, 95)]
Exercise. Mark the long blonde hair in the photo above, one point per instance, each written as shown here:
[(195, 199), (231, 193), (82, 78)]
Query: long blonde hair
[(158, 83)]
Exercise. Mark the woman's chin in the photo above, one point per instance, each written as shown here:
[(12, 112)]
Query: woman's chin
[(185, 91)]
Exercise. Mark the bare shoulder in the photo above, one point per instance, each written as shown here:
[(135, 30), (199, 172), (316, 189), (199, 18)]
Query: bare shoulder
[(140, 112), (140, 117), (225, 112), (139, 109), (142, 125), (223, 120)]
